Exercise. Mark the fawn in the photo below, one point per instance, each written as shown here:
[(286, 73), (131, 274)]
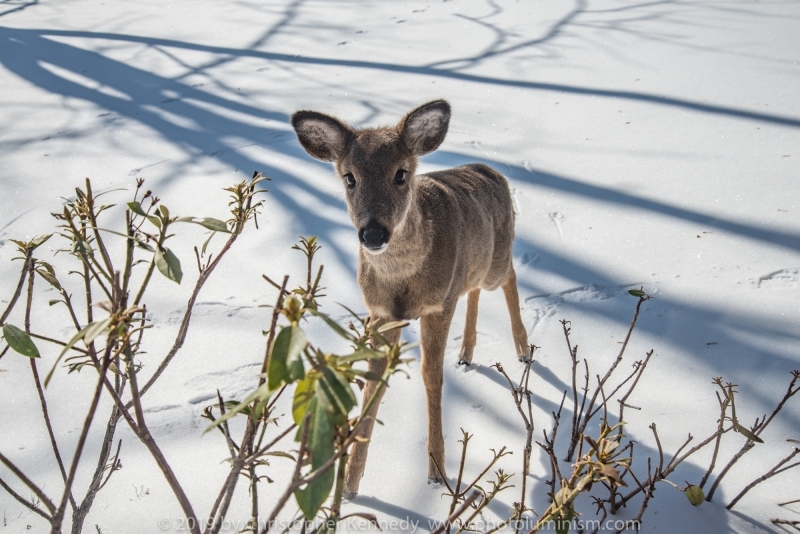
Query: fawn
[(426, 239)]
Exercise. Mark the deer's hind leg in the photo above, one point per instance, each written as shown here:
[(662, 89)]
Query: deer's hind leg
[(470, 328), (517, 327)]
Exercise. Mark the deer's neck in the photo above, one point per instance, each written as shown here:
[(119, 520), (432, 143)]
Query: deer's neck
[(408, 248)]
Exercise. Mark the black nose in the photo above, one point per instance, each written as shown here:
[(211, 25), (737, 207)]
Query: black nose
[(373, 235)]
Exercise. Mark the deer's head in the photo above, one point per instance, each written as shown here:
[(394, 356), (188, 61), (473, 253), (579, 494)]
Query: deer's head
[(376, 165)]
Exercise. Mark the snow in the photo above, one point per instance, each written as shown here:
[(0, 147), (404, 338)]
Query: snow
[(647, 143)]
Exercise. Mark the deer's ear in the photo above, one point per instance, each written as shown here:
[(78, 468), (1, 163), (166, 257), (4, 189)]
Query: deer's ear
[(324, 137), (424, 128)]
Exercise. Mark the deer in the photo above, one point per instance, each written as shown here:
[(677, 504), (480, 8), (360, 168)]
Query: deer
[(425, 240)]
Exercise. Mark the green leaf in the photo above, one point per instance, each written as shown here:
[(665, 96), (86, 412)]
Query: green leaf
[(168, 264), (207, 222), (368, 375), (38, 240), (361, 353), (746, 433), (285, 360), (334, 390), (54, 301), (203, 250), (303, 393), (637, 293), (94, 330), (50, 277), (261, 393), (82, 248), (334, 325), (137, 209), (164, 211), (320, 444), (391, 326), (47, 266), (279, 454), (20, 341), (77, 337), (234, 403), (142, 244), (32, 244)]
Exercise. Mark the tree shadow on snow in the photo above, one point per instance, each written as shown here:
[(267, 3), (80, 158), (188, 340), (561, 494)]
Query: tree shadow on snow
[(201, 124)]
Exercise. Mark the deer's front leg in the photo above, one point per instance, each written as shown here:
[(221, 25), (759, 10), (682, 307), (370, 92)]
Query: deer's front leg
[(435, 328), (358, 454)]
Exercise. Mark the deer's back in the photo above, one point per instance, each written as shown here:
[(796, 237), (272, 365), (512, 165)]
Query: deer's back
[(472, 211)]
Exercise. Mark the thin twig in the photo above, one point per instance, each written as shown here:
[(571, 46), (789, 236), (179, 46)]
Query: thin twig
[(772, 472), (18, 291), (58, 516), (295, 477), (253, 457), (230, 486), (590, 412), (38, 384), (184, 327), (28, 482), (673, 464), (794, 523), (757, 430), (146, 438), (723, 405), (455, 515), (29, 505)]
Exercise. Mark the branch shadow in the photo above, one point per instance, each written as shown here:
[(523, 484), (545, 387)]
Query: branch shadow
[(42, 34), (402, 514), (191, 119)]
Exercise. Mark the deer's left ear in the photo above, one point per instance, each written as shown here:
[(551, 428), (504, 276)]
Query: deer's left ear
[(424, 128)]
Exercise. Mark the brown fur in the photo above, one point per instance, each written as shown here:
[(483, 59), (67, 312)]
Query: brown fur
[(450, 233)]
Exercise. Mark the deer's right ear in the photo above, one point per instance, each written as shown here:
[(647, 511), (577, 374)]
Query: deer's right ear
[(323, 136)]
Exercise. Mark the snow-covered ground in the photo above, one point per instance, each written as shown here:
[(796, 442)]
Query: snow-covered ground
[(647, 143)]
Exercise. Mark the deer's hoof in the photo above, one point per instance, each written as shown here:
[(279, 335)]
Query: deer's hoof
[(462, 361), (349, 495)]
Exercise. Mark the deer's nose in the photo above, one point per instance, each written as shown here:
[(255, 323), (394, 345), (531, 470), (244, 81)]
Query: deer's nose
[(373, 235)]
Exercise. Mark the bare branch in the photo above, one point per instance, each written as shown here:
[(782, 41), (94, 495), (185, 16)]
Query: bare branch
[(28, 482), (455, 515), (29, 505), (772, 472)]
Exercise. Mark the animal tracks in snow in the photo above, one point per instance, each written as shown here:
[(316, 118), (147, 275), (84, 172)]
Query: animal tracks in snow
[(783, 279), (232, 383), (214, 309), (538, 308), (558, 221)]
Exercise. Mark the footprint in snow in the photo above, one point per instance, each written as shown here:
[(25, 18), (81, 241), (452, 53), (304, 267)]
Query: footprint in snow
[(214, 309), (232, 383), (539, 308), (558, 220), (782, 279), (525, 164)]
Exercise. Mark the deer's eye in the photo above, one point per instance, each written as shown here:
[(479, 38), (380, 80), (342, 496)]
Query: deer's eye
[(350, 180), (400, 177)]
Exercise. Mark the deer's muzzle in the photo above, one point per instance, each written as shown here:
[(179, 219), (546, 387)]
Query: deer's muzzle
[(374, 236)]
